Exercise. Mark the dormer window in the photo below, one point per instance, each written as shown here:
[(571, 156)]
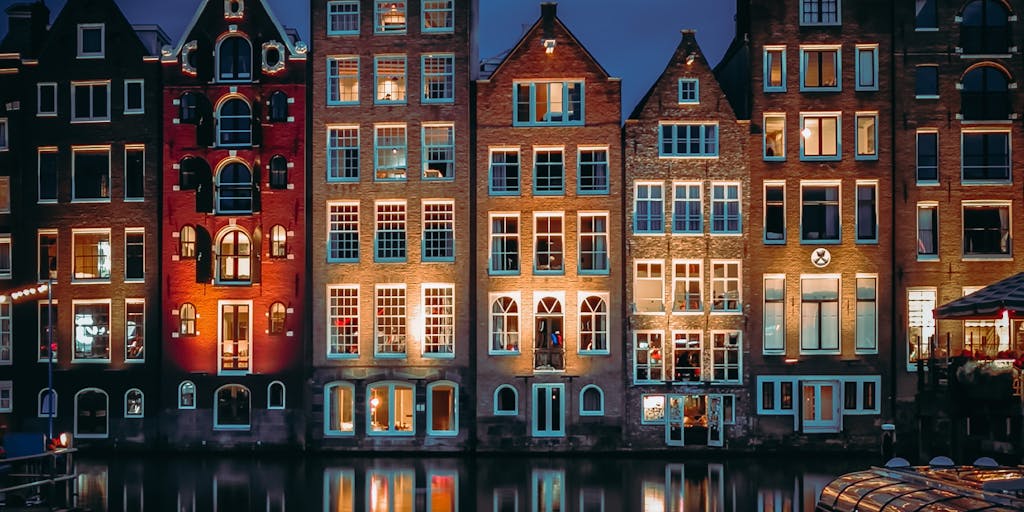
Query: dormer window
[(390, 17), (234, 59), (91, 41)]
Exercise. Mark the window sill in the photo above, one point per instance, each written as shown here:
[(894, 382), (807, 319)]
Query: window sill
[(342, 180), (235, 428), (928, 183), (928, 257), (542, 272), (438, 260), (866, 89), (446, 30), (926, 96), (389, 355), (726, 312), (648, 233), (339, 433), (504, 353), (821, 89), (985, 56), (604, 192), (91, 200), (90, 281), (232, 373), (867, 242), (342, 103), (773, 158), (46, 114), (46, 201), (688, 157), (442, 101), (820, 242), (493, 193), (774, 89), (442, 434), (584, 272), (439, 355), (926, 29), (88, 121), (548, 192), (727, 233), (984, 182), (766, 241), (89, 361), (343, 261), (866, 158), (827, 158), (345, 33), (985, 257), (774, 352), (495, 273), (344, 356), (830, 352), (594, 353), (390, 103)]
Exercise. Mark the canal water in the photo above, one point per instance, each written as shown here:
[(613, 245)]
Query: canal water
[(190, 483)]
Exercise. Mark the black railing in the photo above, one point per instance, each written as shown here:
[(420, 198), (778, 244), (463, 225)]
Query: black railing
[(549, 358)]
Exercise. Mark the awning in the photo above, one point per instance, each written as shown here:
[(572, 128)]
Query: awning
[(988, 303)]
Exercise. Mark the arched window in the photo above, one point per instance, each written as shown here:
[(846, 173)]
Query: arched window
[(275, 395), (234, 256), (390, 407), (277, 314), (506, 401), (278, 172), (591, 401), (985, 28), (235, 125), (234, 59), (504, 325), (186, 395), (234, 189), (187, 242), (133, 404), (593, 325), (985, 94), (187, 318), (47, 403), (231, 408), (278, 107), (548, 344), (339, 408), (278, 242), (442, 408), (188, 105), (91, 418)]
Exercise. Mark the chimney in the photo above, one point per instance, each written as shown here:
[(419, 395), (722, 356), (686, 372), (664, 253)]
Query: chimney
[(547, 16), (26, 27)]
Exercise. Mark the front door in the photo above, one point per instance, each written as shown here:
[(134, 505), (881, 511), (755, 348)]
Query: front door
[(674, 405), (716, 424), (820, 411)]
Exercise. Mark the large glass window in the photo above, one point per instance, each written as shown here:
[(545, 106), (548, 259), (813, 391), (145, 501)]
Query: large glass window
[(774, 137), (820, 137), (339, 405), (593, 325), (343, 319), (438, 78), (390, 411), (647, 357), (985, 156), (90, 101), (867, 136), (819, 217), (92, 330), (343, 153), (986, 229), (438, 231), (5, 257), (920, 324), (774, 69), (389, 79), (985, 29), (234, 127), (92, 255), (438, 151), (548, 103), (438, 15), (504, 244), (548, 342), (135, 330), (91, 175), (549, 421), (927, 231), (725, 286), (342, 17), (548, 172), (234, 257), (867, 212), (687, 208), (649, 208), (725, 208), (687, 287), (593, 243), (439, 320), (549, 243), (232, 408), (648, 287), (390, 151), (819, 314), (234, 59), (342, 232), (726, 357), (688, 139), (592, 171), (389, 235), (774, 315), (389, 17), (820, 69), (187, 319), (389, 318), (442, 409), (343, 79), (867, 314), (504, 172), (927, 157), (504, 322), (235, 341), (686, 357)]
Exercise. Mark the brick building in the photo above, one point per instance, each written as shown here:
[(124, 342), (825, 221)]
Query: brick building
[(687, 190), (548, 264), (957, 159), (234, 232), (391, 259), (817, 92), (84, 188)]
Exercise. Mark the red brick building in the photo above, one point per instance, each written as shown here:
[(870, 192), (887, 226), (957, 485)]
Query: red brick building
[(548, 262), (391, 222), (234, 229), (687, 194), (817, 92)]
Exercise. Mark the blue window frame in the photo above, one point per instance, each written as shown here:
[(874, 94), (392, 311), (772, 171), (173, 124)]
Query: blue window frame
[(591, 401), (503, 179), (390, 150), (820, 12), (927, 157), (549, 416), (389, 17), (867, 213), (593, 243), (821, 136), (390, 237), (548, 172), (819, 214), (547, 103), (592, 171), (774, 69), (438, 152), (775, 213), (438, 78), (867, 136), (438, 231), (438, 16), (343, 153), (649, 208), (688, 140), (342, 232), (774, 137), (389, 79), (689, 91), (343, 80), (342, 17), (504, 244), (821, 69), (867, 68), (549, 243), (725, 208), (687, 214)]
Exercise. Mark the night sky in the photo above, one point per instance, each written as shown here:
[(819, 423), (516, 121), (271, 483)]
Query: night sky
[(632, 39)]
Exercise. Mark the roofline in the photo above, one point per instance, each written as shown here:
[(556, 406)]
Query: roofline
[(293, 53), (533, 27)]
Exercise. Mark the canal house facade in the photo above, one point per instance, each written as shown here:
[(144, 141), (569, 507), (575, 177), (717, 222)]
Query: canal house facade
[(234, 230), (687, 192), (548, 269), (391, 224)]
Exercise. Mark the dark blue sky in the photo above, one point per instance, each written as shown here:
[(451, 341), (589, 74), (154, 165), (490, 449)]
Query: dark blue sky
[(632, 39)]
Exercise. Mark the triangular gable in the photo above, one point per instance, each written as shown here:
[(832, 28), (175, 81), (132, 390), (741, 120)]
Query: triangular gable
[(532, 35), (283, 37), (65, 17)]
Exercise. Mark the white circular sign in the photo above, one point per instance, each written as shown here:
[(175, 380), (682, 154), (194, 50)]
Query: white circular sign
[(820, 257)]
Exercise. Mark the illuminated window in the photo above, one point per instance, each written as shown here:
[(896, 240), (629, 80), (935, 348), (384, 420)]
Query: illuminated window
[(548, 103), (442, 409), (593, 333), (390, 411), (390, 325), (504, 172), (234, 59), (278, 242), (439, 320), (593, 243), (774, 69), (867, 314), (438, 78), (343, 232), (234, 125), (687, 208), (819, 314), (774, 137), (92, 255), (438, 151), (775, 396), (438, 231), (820, 69), (592, 171), (820, 136), (92, 330), (927, 231), (343, 318), (726, 354), (135, 330), (5, 257), (548, 243), (390, 151), (389, 79), (725, 286), (647, 357), (725, 208), (867, 136), (548, 172), (920, 325), (390, 235), (649, 208), (649, 287), (133, 404), (389, 17), (5, 333), (820, 12), (277, 316), (504, 244), (187, 242), (339, 400), (134, 254), (90, 174), (653, 409), (187, 319), (343, 153), (819, 214), (235, 340), (342, 17), (687, 287), (504, 325), (186, 395), (548, 342), (438, 15), (686, 356), (232, 406), (774, 314), (688, 140), (234, 257), (342, 79)]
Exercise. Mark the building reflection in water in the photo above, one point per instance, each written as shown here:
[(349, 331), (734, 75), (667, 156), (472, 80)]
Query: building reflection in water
[(498, 484)]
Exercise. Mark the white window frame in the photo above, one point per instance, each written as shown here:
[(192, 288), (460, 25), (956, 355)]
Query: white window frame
[(596, 235), (862, 382), (493, 297), (538, 217), (1008, 205), (661, 300), (74, 193), (872, 184), (74, 348), (774, 350), (725, 280), (74, 273), (51, 110), (220, 340), (654, 398), (135, 231), (344, 292), (683, 281), (6, 334), (927, 320), (142, 96), (729, 363), (446, 349), (6, 250), (80, 52), (764, 212), (650, 365), (917, 157), (5, 134), (145, 341), (491, 242), (873, 348), (50, 150), (334, 71), (928, 205), (839, 316), (581, 297), (92, 118)]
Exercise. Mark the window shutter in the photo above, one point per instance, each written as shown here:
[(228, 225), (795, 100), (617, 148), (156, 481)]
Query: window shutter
[(204, 60), (257, 250), (204, 192), (204, 255)]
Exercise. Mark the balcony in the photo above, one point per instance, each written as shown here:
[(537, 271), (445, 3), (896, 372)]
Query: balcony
[(549, 358)]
